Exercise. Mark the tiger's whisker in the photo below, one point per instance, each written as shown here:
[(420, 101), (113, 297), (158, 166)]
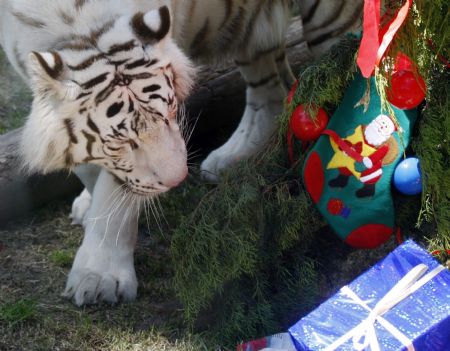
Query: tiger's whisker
[(111, 201), (161, 210), (117, 195), (125, 217), (191, 129), (155, 215), (112, 213), (146, 214)]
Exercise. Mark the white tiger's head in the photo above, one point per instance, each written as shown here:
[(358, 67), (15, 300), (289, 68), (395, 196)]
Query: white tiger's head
[(111, 98)]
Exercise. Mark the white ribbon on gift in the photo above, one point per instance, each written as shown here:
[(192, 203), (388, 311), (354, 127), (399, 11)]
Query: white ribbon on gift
[(364, 334)]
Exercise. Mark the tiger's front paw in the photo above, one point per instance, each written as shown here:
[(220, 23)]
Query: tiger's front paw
[(99, 275), (80, 207), (219, 160), (252, 135)]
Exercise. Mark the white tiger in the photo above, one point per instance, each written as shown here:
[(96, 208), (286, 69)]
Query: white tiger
[(108, 77)]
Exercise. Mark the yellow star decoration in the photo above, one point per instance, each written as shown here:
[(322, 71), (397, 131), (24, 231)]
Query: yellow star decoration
[(341, 159)]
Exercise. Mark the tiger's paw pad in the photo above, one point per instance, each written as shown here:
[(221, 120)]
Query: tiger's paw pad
[(244, 143), (251, 136), (95, 279), (216, 162), (80, 207), (85, 287)]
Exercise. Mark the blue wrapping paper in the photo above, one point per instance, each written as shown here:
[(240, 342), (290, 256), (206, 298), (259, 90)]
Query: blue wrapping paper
[(423, 317)]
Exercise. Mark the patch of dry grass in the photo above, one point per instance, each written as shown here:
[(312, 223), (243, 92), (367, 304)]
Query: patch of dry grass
[(36, 317)]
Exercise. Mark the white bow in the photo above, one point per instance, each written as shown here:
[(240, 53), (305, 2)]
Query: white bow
[(364, 334)]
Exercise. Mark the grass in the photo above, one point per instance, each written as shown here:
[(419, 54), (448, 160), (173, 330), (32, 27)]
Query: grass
[(61, 258), (17, 312)]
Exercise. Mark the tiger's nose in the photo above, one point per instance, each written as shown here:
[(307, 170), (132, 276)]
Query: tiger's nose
[(176, 179)]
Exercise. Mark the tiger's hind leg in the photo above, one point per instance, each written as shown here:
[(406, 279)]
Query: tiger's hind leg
[(268, 77), (88, 174)]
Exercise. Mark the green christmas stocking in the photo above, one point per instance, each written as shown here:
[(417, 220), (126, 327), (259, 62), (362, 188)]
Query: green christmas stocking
[(348, 171)]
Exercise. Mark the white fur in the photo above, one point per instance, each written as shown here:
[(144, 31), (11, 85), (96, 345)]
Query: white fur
[(257, 124), (80, 207), (152, 20), (103, 268)]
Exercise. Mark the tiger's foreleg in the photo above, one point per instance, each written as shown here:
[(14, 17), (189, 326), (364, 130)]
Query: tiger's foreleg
[(103, 269), (267, 76)]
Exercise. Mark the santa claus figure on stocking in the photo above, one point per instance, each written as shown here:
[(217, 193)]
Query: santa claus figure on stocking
[(372, 145)]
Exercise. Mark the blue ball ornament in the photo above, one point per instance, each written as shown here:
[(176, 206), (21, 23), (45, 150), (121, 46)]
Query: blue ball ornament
[(407, 177)]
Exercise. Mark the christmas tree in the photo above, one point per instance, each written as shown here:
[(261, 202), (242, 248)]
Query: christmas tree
[(253, 252)]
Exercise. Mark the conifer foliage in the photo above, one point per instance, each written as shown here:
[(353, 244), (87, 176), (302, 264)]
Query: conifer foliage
[(247, 254), (246, 251)]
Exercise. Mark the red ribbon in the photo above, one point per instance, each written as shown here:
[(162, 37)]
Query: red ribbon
[(376, 40)]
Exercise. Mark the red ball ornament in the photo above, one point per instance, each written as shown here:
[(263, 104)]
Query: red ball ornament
[(304, 127), (408, 88)]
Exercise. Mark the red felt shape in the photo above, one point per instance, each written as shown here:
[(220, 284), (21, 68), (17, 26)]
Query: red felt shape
[(314, 176), (369, 236), (335, 206)]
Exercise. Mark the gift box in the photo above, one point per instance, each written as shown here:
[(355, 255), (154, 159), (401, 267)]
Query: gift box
[(401, 303), (277, 342)]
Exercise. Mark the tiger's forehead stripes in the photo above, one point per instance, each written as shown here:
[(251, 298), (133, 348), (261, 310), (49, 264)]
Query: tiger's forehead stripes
[(95, 81), (129, 45), (140, 62), (87, 62)]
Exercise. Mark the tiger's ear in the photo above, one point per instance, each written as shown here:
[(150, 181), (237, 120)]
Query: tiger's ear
[(47, 71), (153, 26)]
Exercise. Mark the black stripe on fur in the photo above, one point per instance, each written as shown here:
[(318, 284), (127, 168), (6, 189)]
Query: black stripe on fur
[(147, 35), (55, 71)]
